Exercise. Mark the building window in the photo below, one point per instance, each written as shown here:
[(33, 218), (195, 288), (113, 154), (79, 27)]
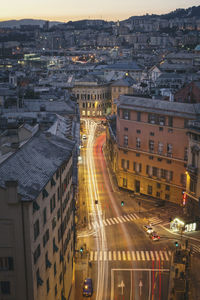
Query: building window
[(161, 120), (45, 237), (125, 129), (149, 190), (5, 287), (183, 179), (151, 157), (158, 185), (169, 150), (36, 254), (157, 194), (138, 131), (192, 185), (58, 214), (53, 223), (56, 290), (138, 143), (169, 161), (152, 118), (160, 148), (6, 263), (152, 133), (137, 154), (155, 171), (185, 153), (125, 164), (167, 188), (38, 278), (45, 194), (124, 182), (44, 216), (167, 197), (52, 203), (151, 145), (138, 116), (126, 114), (47, 262), (54, 269), (36, 228), (125, 140), (170, 121), (53, 183), (47, 285), (60, 277)]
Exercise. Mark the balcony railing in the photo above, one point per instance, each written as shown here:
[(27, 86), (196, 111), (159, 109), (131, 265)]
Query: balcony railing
[(192, 169)]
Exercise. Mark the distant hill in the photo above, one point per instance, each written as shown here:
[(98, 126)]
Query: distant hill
[(18, 23), (190, 12)]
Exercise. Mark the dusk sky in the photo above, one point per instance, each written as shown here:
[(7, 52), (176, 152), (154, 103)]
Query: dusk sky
[(66, 10)]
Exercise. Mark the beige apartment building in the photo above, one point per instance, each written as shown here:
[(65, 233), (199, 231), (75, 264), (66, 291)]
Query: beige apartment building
[(37, 220), (151, 150), (93, 96), (192, 198)]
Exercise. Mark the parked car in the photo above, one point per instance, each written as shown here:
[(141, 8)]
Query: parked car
[(87, 287), (148, 229), (154, 236), (84, 137)]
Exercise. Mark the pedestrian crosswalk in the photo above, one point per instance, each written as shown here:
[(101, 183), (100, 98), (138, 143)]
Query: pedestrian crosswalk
[(112, 221), (157, 221), (142, 255)]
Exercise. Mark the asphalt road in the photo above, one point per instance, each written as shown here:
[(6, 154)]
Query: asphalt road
[(123, 262)]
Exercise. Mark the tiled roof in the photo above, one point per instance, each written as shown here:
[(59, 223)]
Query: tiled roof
[(35, 163)]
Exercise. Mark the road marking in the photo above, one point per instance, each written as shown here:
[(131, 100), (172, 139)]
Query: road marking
[(119, 255), (161, 255), (104, 222), (89, 226), (169, 253), (116, 220), (114, 255), (123, 219), (91, 255), (95, 256), (108, 222), (138, 255), (105, 255), (127, 218), (124, 255), (111, 220), (100, 255), (133, 255), (119, 220), (157, 256), (128, 255), (142, 254), (166, 256), (147, 255), (152, 256), (136, 216), (109, 255)]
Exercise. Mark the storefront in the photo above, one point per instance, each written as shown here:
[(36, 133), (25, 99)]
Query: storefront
[(181, 225)]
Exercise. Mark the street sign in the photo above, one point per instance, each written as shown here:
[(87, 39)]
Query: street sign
[(140, 286), (122, 286)]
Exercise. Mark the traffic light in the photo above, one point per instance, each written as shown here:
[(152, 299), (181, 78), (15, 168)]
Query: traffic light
[(81, 250), (176, 244), (122, 203)]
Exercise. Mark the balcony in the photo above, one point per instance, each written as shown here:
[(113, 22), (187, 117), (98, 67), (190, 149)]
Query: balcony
[(192, 169)]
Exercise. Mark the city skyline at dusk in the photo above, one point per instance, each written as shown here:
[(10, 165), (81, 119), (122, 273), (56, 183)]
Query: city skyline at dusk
[(65, 11)]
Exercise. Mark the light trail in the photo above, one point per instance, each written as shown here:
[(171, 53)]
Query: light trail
[(96, 210)]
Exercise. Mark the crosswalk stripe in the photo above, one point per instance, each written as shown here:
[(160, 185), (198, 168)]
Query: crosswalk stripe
[(107, 220), (95, 255), (111, 220), (124, 255), (127, 218), (133, 255), (161, 255), (100, 255), (104, 222), (157, 256), (147, 255), (91, 255), (138, 255), (136, 216), (118, 218), (130, 255), (123, 219), (166, 256), (152, 256), (131, 217), (169, 253), (142, 254)]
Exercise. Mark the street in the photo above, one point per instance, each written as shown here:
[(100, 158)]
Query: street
[(119, 256)]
